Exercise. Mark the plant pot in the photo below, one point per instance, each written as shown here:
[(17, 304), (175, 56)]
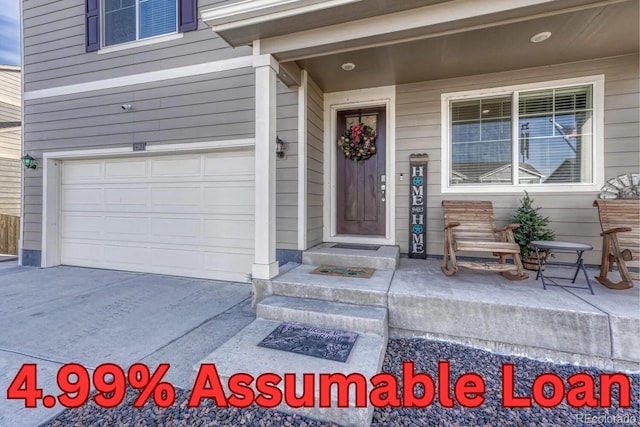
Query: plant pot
[(532, 263)]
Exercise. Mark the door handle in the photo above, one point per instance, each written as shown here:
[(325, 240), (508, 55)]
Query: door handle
[(383, 189)]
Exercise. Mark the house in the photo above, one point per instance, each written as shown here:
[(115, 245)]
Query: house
[(154, 124), (494, 172), (10, 140)]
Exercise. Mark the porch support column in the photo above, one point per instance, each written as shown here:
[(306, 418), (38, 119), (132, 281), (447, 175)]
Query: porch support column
[(265, 265)]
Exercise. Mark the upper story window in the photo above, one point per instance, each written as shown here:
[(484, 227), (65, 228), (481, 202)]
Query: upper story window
[(129, 20), (544, 136), (114, 22)]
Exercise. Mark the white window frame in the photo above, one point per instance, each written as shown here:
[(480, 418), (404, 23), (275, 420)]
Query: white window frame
[(138, 41), (597, 82)]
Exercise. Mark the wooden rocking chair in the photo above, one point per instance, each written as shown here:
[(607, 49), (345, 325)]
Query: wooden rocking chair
[(620, 222), (470, 226)]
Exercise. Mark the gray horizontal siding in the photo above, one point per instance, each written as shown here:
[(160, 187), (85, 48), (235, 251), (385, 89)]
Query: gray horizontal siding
[(10, 186), (315, 142), (287, 169), (54, 48), (572, 215), (211, 107)]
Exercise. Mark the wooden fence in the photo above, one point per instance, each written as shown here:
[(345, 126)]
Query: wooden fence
[(9, 232)]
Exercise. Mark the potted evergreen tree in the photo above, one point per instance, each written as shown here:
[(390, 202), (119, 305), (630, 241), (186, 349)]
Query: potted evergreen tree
[(533, 226)]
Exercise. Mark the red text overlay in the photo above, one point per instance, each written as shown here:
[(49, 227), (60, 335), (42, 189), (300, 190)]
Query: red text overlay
[(324, 390)]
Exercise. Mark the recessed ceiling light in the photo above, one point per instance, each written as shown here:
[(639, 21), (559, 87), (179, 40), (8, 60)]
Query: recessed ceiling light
[(486, 111), (540, 37), (348, 66)]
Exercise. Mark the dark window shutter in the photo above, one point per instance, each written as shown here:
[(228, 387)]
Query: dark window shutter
[(92, 8), (188, 15)]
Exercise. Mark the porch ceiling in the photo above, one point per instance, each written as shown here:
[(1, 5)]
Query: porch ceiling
[(609, 29), (403, 41)]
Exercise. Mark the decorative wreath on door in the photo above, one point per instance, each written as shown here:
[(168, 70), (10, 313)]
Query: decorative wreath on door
[(358, 142)]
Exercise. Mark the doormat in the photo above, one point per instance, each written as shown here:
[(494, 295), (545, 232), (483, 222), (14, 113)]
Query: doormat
[(355, 247), (329, 344), (336, 270)]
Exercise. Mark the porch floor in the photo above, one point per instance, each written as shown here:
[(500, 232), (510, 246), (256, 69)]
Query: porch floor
[(485, 310), (518, 317)]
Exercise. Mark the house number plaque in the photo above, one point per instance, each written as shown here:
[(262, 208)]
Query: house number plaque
[(418, 206)]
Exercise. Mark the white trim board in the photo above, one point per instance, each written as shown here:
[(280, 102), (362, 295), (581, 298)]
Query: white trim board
[(150, 77), (248, 12), (303, 93), (380, 96), (51, 181)]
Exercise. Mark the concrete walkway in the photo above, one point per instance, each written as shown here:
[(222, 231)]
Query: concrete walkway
[(61, 315)]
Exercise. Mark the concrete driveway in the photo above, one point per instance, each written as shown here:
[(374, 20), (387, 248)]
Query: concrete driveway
[(61, 315)]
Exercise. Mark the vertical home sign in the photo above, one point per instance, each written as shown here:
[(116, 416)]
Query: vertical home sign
[(418, 206)]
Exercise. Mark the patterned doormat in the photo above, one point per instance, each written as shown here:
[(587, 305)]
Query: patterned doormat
[(312, 341), (336, 270)]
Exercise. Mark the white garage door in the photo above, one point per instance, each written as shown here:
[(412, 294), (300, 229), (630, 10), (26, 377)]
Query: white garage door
[(188, 215)]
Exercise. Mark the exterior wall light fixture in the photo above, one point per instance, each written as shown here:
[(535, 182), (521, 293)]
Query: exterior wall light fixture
[(280, 148), (29, 162)]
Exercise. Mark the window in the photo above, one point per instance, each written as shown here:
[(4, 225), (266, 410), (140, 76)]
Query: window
[(528, 136), (129, 20), (113, 22)]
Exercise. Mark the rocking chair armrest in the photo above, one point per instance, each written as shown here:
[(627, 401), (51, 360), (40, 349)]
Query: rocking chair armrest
[(451, 225), (508, 227), (616, 230)]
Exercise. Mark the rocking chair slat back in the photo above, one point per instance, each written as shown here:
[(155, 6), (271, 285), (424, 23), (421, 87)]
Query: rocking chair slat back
[(475, 219), (620, 221), (470, 227)]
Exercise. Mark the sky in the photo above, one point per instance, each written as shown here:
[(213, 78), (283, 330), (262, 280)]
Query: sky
[(9, 32)]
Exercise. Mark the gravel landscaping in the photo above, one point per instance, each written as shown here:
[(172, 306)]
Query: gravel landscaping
[(426, 355)]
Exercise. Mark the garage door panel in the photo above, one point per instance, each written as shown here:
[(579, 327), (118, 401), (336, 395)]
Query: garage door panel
[(182, 166), (237, 200), (126, 168), (81, 226), (236, 165), (230, 229), (83, 252), (120, 197), (161, 214), (185, 197), (220, 261), (178, 259), (116, 228), (80, 171), (178, 230), (133, 256), (82, 198)]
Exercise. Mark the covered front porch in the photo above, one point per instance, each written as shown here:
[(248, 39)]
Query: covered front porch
[(317, 62), (485, 310)]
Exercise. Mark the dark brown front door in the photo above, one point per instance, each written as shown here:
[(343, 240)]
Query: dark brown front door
[(359, 184)]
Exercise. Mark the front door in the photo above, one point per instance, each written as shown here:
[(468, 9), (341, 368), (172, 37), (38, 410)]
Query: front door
[(361, 185)]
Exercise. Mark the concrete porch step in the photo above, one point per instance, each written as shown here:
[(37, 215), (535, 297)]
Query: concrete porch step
[(300, 282), (364, 319), (242, 355), (383, 258)]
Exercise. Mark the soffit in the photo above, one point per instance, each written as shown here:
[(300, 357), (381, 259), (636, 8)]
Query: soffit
[(356, 10), (577, 35)]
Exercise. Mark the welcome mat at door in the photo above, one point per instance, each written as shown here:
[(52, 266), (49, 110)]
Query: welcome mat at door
[(336, 270), (310, 340)]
